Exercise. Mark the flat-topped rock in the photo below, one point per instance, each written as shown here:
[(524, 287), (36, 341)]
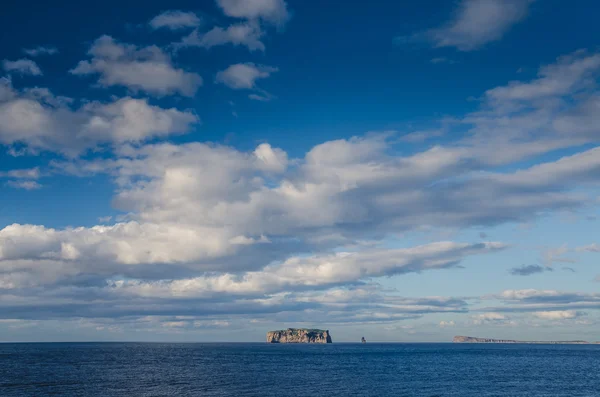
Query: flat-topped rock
[(299, 335)]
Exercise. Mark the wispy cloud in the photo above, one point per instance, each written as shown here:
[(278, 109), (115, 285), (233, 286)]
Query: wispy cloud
[(34, 52), (22, 66), (439, 60), (248, 34), (25, 185), (475, 23), (24, 173), (589, 248), (175, 20)]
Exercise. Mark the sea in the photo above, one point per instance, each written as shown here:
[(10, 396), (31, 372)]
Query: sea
[(279, 370)]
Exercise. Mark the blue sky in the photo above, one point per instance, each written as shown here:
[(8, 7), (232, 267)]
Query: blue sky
[(403, 171)]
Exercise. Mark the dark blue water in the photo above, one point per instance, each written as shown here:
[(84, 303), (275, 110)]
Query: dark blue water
[(157, 369)]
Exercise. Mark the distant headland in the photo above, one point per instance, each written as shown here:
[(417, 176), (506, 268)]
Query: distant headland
[(470, 339), (299, 335)]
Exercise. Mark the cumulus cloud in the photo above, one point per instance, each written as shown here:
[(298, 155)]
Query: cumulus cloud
[(174, 20), (147, 69), (244, 75), (339, 186), (215, 231), (172, 243), (246, 34), (272, 11), (43, 121), (341, 191), (41, 50), (22, 66), (271, 159), (476, 23)]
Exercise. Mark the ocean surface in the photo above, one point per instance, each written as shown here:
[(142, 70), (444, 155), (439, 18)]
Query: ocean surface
[(171, 369)]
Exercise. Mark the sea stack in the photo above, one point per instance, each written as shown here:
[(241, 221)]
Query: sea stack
[(299, 335)]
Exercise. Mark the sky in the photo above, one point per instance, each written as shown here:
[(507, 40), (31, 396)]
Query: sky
[(210, 171)]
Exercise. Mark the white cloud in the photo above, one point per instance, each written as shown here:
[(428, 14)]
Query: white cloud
[(122, 243), (438, 60), (25, 185), (446, 324), (263, 97), (246, 34), (533, 300), (214, 231), (34, 52), (43, 121), (133, 120), (476, 23), (22, 178), (492, 318), (212, 324), (524, 119), (571, 73), (273, 11), (556, 255), (244, 75), (339, 186), (558, 315), (272, 159), (174, 20), (346, 187), (26, 173), (146, 69), (22, 66), (590, 248), (299, 273)]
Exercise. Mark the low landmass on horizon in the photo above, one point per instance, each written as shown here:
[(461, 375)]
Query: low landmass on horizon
[(470, 339)]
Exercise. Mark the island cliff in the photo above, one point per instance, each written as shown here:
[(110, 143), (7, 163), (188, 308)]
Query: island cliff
[(299, 335), (470, 339)]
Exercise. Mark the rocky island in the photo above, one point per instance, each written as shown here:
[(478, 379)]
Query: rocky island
[(299, 335), (470, 339)]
